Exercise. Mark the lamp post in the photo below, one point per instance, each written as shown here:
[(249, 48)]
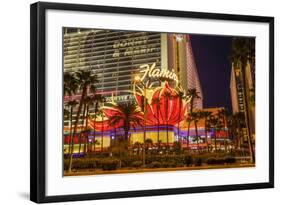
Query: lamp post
[(138, 80)]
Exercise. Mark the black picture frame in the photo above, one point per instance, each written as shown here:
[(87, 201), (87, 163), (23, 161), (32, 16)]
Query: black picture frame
[(38, 101)]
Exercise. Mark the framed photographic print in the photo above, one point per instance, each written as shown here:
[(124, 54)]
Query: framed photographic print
[(129, 102)]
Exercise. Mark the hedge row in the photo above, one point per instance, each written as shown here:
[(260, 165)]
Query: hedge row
[(156, 161)]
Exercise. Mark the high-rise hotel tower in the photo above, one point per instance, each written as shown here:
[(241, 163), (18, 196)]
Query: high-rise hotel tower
[(115, 57)]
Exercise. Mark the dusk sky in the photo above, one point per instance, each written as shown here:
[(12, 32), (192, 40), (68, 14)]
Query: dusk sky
[(211, 55)]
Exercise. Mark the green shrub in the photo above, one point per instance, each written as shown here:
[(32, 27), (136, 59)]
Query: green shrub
[(211, 161), (65, 164), (137, 164), (109, 164), (174, 164), (230, 160), (165, 164), (188, 161), (219, 161), (128, 161), (198, 161), (154, 165)]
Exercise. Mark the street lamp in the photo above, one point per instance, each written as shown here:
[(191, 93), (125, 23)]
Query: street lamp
[(138, 80)]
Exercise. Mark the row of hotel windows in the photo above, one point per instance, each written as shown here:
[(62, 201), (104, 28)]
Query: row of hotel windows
[(95, 50)]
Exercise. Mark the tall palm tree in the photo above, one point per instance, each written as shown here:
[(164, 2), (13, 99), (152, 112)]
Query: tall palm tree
[(97, 113), (216, 124), (102, 129), (72, 104), (114, 122), (83, 127), (181, 97), (193, 94), (223, 115), (243, 52), (70, 86), (237, 121), (88, 102), (101, 99), (195, 117), (206, 116), (96, 101), (86, 80), (66, 117)]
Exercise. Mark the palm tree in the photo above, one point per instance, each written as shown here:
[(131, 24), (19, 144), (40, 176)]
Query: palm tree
[(243, 52), (223, 115), (180, 96), (89, 104), (129, 115), (84, 118), (114, 122), (192, 94), (102, 129), (206, 116), (70, 86), (196, 116), (66, 117), (97, 99), (237, 122), (101, 99), (216, 124), (86, 80), (72, 104)]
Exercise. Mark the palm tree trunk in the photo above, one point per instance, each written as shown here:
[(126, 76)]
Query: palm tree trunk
[(158, 126), (82, 127), (126, 134), (189, 122), (179, 119), (197, 136), (206, 135), (167, 133), (75, 126), (102, 133), (115, 133), (215, 134), (86, 134), (95, 117), (70, 130), (224, 139), (252, 154), (188, 130)]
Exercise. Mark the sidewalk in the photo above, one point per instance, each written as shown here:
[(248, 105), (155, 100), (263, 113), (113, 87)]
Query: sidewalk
[(138, 170)]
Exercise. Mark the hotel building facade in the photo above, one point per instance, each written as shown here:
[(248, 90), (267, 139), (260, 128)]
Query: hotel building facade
[(115, 57), (237, 90)]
